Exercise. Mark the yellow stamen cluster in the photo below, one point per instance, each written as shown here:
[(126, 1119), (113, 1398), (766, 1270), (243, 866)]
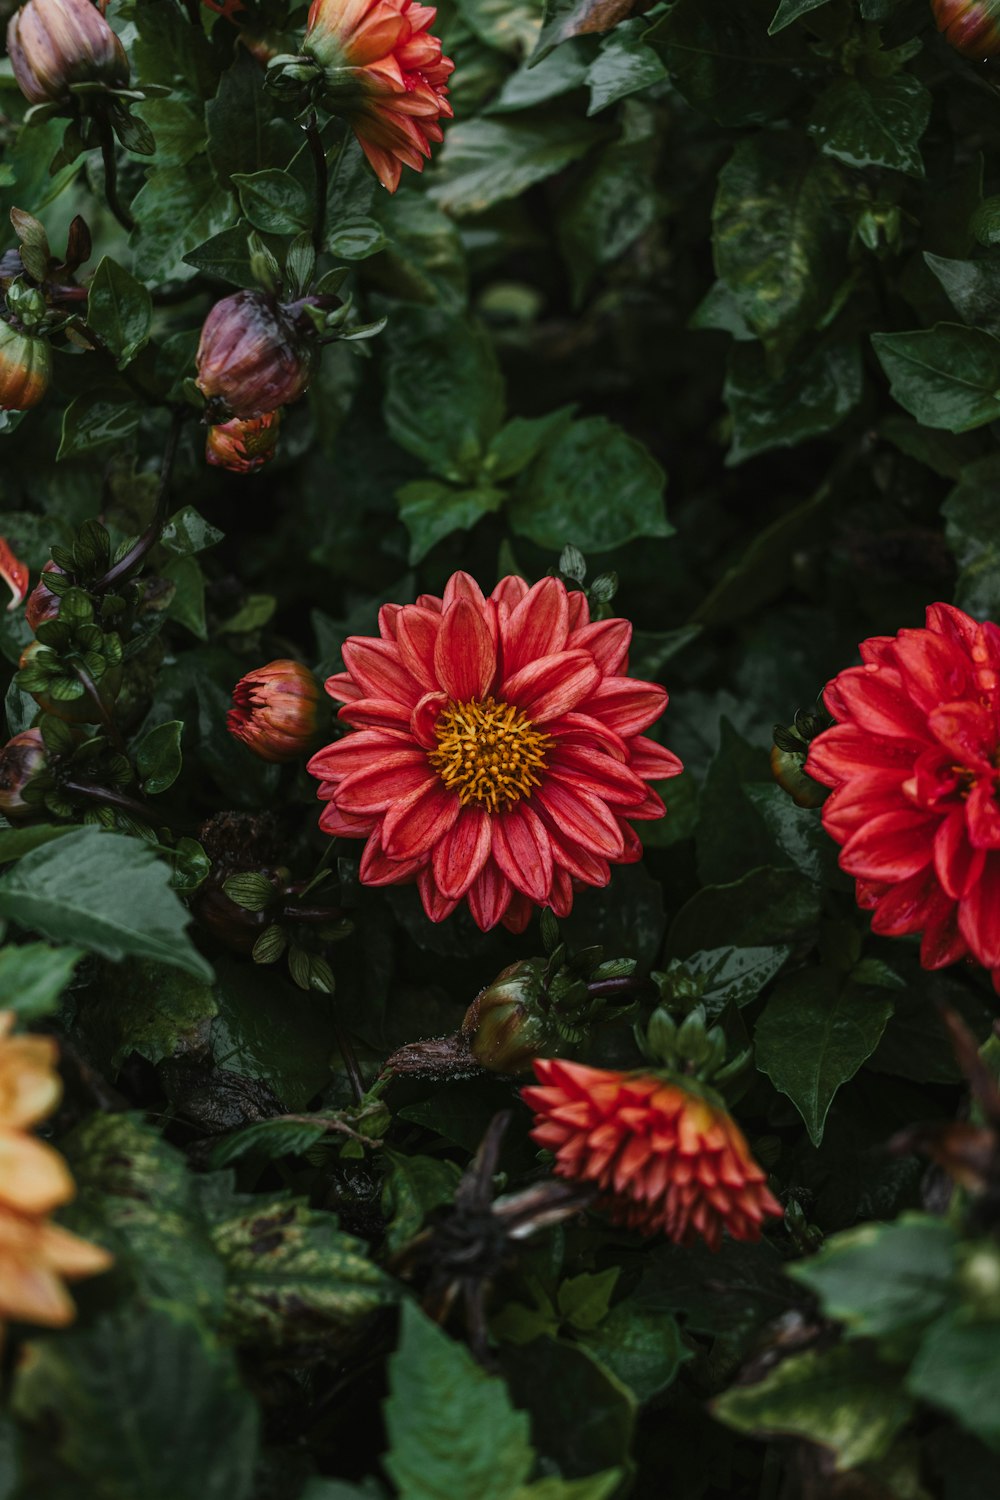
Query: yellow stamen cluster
[(489, 752)]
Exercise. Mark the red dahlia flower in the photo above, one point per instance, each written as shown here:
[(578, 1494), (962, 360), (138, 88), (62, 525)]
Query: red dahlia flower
[(668, 1160), (275, 710), (499, 756), (384, 73), (914, 762)]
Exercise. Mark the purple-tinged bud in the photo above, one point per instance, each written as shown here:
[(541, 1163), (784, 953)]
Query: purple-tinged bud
[(20, 759), (972, 27), (53, 43), (276, 710), (25, 369), (252, 357), (41, 603)]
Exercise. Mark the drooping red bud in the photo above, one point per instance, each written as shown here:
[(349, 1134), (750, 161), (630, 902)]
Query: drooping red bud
[(25, 369), (972, 27), (275, 710), (13, 572), (243, 444), (252, 357), (42, 604), (20, 759), (53, 43)]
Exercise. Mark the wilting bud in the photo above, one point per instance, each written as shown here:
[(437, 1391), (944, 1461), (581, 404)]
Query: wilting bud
[(252, 358), (243, 444), (20, 759), (972, 27), (505, 1025), (53, 43), (25, 369), (42, 604), (275, 710)]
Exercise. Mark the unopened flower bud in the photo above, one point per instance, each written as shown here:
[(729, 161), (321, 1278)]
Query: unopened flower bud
[(20, 759), (25, 369), (243, 444), (41, 603), (505, 1025), (275, 710), (53, 43), (252, 357), (972, 27), (787, 770)]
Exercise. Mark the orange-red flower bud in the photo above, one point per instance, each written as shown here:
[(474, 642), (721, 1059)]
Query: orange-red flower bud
[(252, 357), (384, 72), (53, 43), (243, 444), (972, 27), (667, 1157), (42, 604), (20, 759), (275, 710), (25, 369)]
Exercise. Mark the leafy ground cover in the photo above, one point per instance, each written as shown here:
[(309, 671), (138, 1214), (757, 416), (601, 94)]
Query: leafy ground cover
[(692, 320)]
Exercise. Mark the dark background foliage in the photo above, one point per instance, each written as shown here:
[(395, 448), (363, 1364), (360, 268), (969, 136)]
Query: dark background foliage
[(755, 253)]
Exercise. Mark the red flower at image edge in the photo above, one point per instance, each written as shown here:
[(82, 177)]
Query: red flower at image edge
[(499, 754), (668, 1160), (386, 74), (914, 763)]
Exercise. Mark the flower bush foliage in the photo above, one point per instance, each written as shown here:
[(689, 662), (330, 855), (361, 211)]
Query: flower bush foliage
[(480, 1079)]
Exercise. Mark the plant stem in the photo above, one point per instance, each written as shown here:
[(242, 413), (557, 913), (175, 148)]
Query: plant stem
[(104, 713), (149, 538), (110, 160), (112, 798), (348, 1054), (322, 182)]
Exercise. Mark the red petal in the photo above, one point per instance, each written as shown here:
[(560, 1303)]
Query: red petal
[(510, 591), (537, 626), (580, 817), (377, 869), (552, 685), (891, 846), (425, 716), (933, 670), (387, 780), (607, 641), (343, 687), (652, 761), (436, 905), (599, 775), (523, 850), (411, 828), (376, 666), (979, 914), (583, 729), (518, 914), (463, 586), (416, 635), (982, 815), (874, 698), (354, 752), (967, 730), (855, 803), (489, 896), (375, 713), (342, 825), (627, 705), (464, 656), (845, 751), (461, 854), (957, 863), (942, 943)]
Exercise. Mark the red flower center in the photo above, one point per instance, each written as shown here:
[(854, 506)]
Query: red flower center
[(489, 752)]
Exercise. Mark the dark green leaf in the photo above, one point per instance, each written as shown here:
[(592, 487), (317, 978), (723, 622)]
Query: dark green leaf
[(119, 310), (873, 122), (103, 892), (947, 376), (814, 1036)]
